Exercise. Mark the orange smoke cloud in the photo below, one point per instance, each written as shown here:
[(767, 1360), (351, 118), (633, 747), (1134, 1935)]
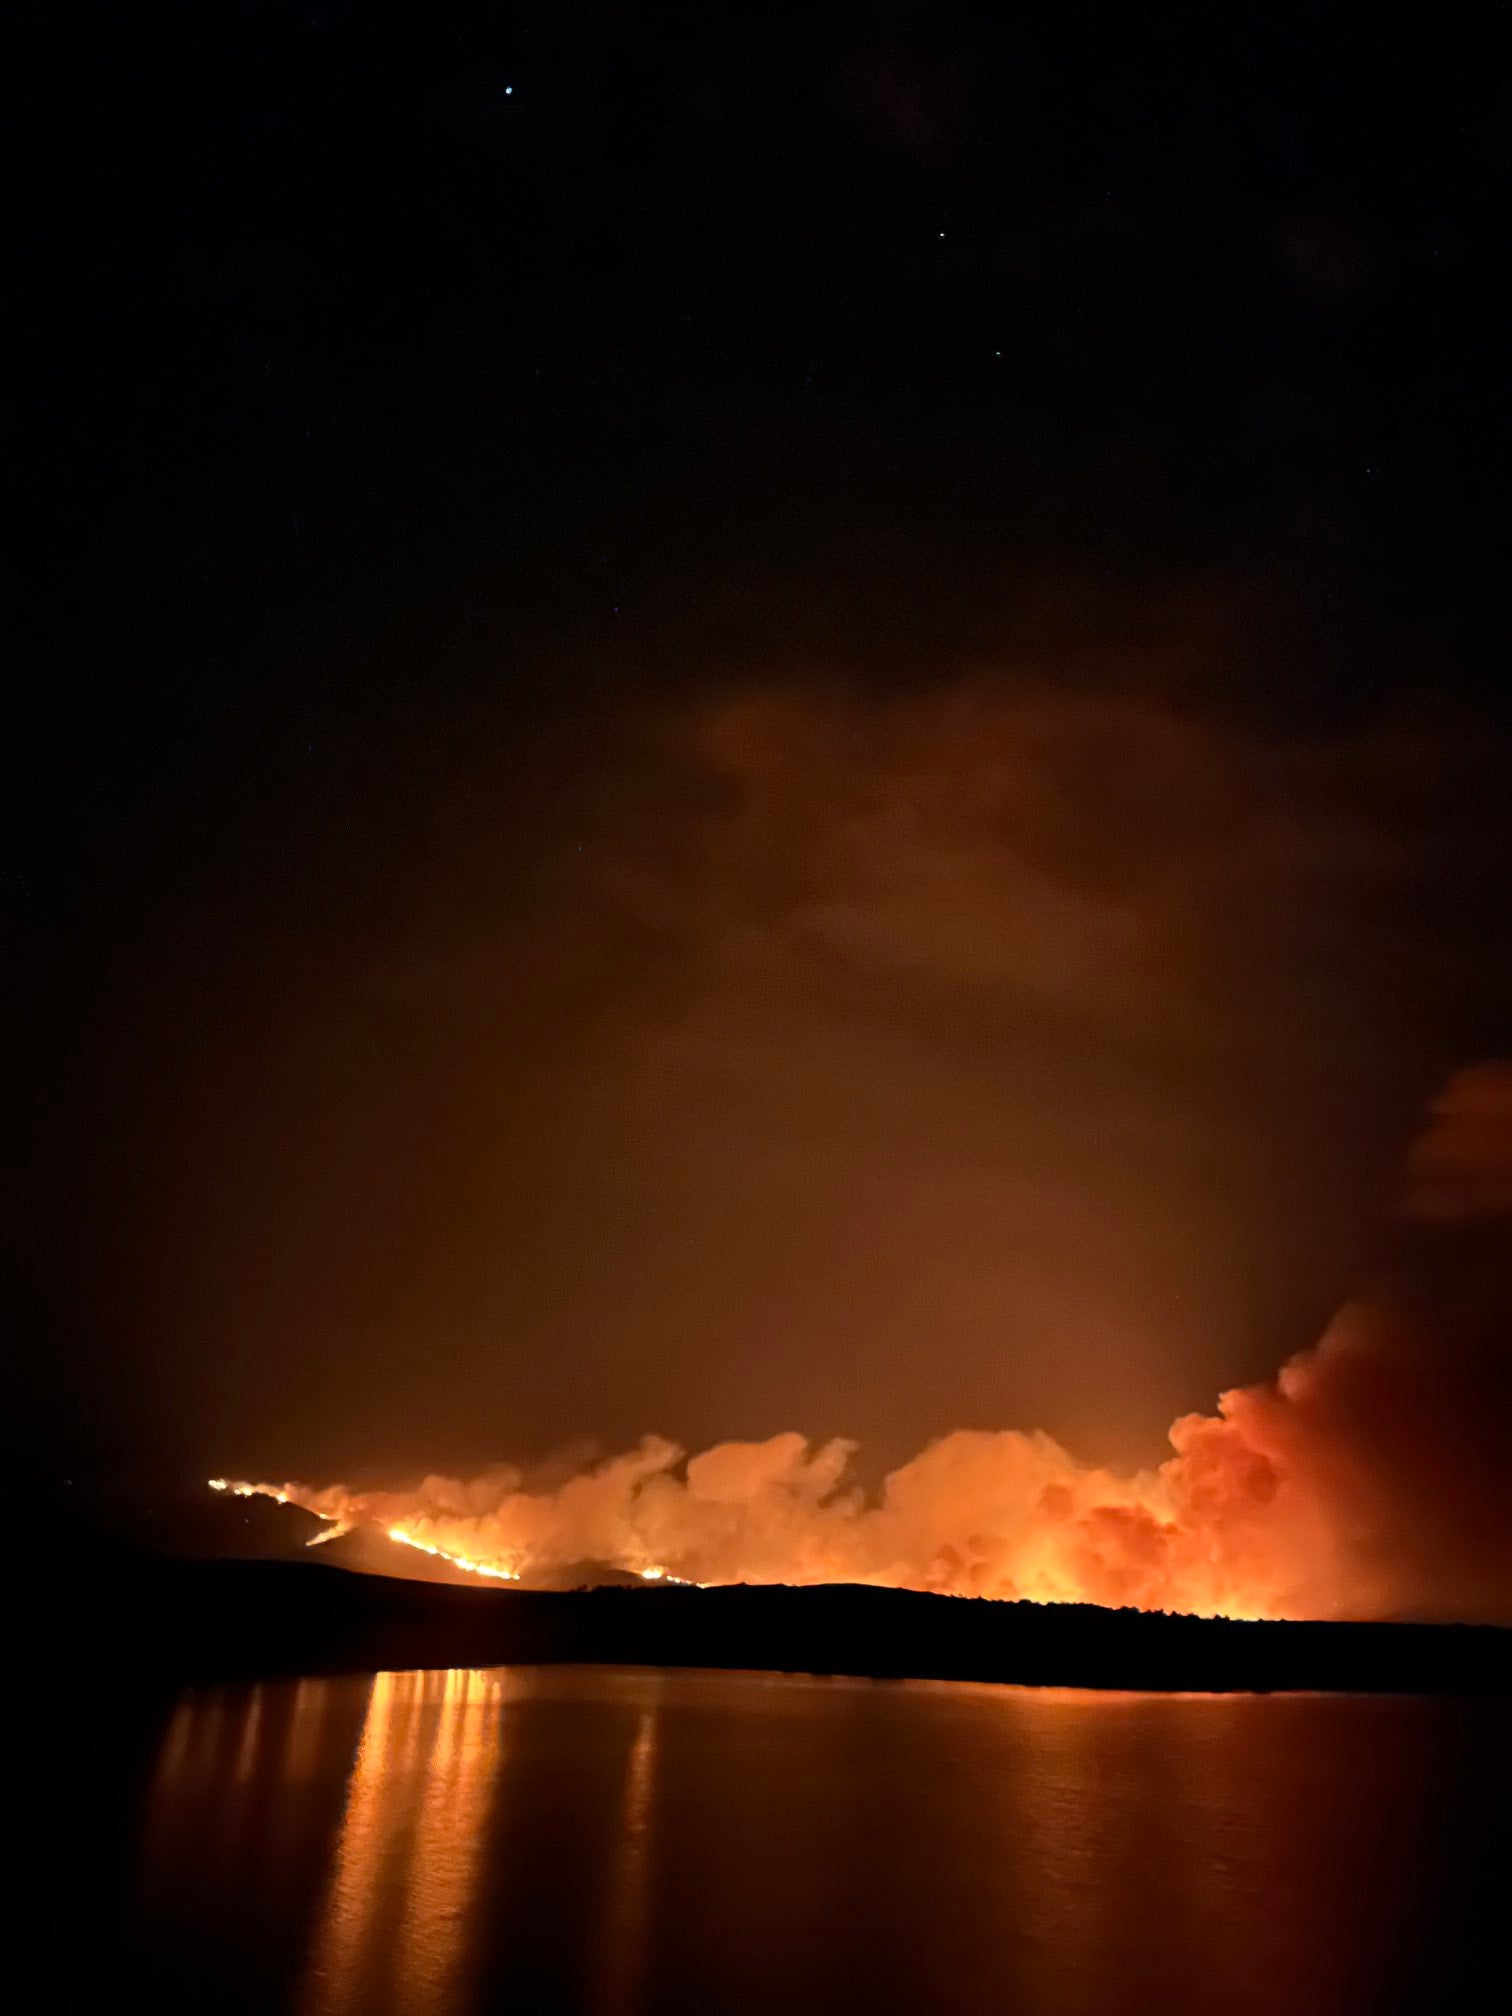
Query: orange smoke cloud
[(1366, 1479)]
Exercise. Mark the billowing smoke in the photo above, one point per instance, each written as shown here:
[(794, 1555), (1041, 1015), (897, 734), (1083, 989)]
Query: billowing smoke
[(1367, 1479)]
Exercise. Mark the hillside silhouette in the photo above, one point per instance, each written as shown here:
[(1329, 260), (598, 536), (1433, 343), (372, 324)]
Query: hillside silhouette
[(200, 1621)]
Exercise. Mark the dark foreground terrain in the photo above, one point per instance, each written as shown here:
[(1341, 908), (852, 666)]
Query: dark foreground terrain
[(206, 1621)]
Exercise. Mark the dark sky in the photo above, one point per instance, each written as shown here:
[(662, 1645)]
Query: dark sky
[(736, 718)]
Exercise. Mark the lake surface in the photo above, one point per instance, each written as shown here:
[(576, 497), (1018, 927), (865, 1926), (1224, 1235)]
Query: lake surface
[(571, 1839)]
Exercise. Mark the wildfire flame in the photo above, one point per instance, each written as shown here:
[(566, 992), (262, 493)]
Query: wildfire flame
[(401, 1538), (1368, 1478), (778, 1512), (335, 1524)]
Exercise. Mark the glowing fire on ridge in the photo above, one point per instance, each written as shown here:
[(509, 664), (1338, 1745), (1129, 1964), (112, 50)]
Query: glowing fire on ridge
[(402, 1539), (1368, 1478), (335, 1524), (1007, 1515)]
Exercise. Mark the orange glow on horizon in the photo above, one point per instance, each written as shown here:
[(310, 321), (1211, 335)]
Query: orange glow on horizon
[(1068, 1534)]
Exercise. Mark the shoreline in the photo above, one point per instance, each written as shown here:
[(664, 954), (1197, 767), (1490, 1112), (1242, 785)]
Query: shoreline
[(198, 1622)]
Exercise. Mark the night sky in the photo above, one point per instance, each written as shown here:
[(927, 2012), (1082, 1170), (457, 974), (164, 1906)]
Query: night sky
[(735, 718)]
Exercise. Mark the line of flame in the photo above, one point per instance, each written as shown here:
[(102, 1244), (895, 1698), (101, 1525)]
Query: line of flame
[(335, 1526)]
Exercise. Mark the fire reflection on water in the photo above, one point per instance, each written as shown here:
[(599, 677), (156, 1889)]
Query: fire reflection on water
[(246, 1755), (349, 1903), (248, 1780), (623, 1948), (408, 1850), (608, 1843), (459, 1779)]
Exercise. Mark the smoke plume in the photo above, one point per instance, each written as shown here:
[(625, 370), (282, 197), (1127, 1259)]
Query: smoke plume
[(1367, 1479)]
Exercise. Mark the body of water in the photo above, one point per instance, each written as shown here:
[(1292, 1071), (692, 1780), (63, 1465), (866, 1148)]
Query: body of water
[(569, 1839)]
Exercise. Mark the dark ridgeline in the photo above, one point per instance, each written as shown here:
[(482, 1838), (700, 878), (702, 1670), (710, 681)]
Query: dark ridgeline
[(209, 1621)]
